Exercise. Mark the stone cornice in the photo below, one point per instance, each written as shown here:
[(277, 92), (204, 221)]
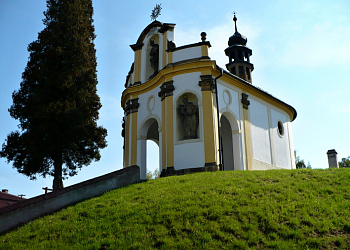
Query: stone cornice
[(167, 73), (207, 66), (131, 106), (166, 89), (207, 82), (245, 101), (137, 46)]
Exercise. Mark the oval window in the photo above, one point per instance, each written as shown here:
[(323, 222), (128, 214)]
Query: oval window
[(280, 128)]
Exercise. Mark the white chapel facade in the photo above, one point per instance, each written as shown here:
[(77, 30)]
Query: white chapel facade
[(202, 117)]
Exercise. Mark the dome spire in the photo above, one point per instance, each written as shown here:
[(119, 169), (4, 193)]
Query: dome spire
[(235, 20), (238, 53)]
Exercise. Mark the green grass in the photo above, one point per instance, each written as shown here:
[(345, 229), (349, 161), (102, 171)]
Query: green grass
[(276, 209)]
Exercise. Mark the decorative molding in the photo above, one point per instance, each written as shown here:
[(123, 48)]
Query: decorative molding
[(131, 106), (136, 83), (201, 65), (170, 46), (245, 100), (136, 47), (207, 82), (165, 27), (166, 89)]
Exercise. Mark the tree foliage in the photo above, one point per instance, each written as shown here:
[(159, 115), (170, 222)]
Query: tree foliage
[(154, 175), (345, 162), (57, 104), (300, 163)]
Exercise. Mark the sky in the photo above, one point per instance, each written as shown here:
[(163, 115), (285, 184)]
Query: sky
[(301, 55)]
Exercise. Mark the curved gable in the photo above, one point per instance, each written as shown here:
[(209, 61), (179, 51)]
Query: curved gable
[(162, 28)]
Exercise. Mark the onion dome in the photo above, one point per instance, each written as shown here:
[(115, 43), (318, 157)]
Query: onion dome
[(237, 38)]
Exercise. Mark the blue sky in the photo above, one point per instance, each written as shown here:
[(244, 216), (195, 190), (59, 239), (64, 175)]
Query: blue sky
[(301, 55)]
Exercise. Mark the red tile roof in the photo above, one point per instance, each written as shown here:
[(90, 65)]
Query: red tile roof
[(8, 199)]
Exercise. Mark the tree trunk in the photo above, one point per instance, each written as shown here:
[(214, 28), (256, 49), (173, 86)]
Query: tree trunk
[(57, 181)]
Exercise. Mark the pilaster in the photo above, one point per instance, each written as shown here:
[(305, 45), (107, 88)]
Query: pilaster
[(127, 141), (166, 95), (247, 136), (137, 73), (207, 85), (131, 109)]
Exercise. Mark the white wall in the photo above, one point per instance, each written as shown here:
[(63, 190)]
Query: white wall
[(185, 54), (229, 98), (188, 153), (281, 144), (260, 131)]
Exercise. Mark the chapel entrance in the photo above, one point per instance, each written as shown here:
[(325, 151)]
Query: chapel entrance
[(231, 142), (149, 140), (227, 144)]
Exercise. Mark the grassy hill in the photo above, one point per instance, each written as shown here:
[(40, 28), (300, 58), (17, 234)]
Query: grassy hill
[(276, 209)]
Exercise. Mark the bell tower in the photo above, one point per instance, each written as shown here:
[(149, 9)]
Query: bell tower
[(238, 53)]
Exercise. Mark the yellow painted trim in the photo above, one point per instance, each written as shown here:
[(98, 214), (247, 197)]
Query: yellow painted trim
[(137, 66), (163, 136), (205, 51), (250, 90), (127, 142), (170, 57), (247, 139), (208, 127), (206, 67), (169, 131), (134, 139), (165, 35), (167, 74)]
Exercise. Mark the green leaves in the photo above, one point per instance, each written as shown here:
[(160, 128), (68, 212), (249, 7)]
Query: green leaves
[(345, 162), (57, 104)]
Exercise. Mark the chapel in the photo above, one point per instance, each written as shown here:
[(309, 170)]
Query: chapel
[(203, 117)]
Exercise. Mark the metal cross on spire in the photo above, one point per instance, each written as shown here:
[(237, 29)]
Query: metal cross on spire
[(156, 12)]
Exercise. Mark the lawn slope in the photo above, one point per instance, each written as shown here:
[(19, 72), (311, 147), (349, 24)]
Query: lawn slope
[(276, 209)]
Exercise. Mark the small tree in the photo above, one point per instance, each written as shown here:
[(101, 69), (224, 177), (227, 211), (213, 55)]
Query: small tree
[(154, 175), (345, 162), (57, 104), (149, 175), (299, 163)]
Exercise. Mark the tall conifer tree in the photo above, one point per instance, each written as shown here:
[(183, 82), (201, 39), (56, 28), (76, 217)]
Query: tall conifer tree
[(57, 104)]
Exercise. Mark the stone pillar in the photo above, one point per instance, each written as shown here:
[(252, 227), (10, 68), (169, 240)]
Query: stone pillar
[(332, 158)]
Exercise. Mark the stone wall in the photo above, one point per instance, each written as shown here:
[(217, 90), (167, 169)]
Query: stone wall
[(20, 213)]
